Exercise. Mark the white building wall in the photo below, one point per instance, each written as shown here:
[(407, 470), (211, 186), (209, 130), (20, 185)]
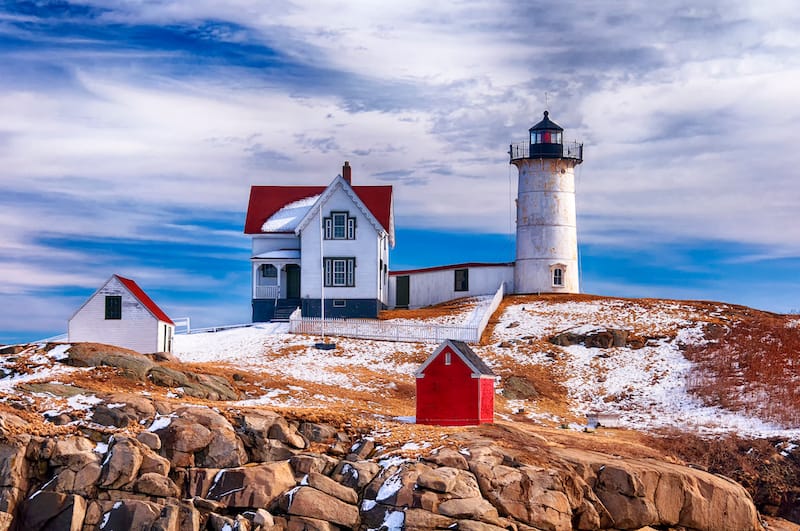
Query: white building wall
[(263, 243), (433, 287), (546, 226), (364, 248), (137, 330)]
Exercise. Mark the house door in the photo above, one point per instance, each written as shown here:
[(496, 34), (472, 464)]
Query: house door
[(292, 281), (401, 291)]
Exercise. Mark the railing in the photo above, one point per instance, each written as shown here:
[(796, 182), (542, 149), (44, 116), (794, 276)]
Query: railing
[(268, 292), (522, 150), (219, 328), (183, 325), (496, 300), (394, 331)]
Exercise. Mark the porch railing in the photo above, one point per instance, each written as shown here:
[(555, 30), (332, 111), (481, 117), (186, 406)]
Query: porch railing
[(522, 150), (268, 292)]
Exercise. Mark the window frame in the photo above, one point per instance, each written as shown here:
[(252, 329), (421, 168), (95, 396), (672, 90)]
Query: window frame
[(464, 284), (558, 277), (113, 307), (345, 229), (344, 278)]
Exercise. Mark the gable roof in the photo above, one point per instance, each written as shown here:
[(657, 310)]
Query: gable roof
[(265, 201), (148, 303), (137, 292), (467, 355)]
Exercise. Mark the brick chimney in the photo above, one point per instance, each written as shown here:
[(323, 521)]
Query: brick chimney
[(346, 172)]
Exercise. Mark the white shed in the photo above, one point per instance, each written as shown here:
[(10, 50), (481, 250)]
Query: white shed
[(120, 313)]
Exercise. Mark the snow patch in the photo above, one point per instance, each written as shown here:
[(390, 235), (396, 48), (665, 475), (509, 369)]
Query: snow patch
[(59, 352), (160, 423), (287, 218), (390, 487)]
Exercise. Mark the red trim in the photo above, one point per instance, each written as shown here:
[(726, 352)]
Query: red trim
[(453, 266), (137, 292), (267, 200)]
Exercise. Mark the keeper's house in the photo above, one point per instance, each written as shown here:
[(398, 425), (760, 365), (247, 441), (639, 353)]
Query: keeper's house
[(307, 239), (120, 313)]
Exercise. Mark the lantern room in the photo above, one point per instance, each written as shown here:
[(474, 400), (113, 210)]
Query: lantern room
[(546, 139)]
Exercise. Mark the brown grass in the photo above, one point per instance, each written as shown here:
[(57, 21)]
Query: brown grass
[(753, 366)]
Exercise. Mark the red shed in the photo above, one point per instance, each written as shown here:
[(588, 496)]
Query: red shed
[(455, 387)]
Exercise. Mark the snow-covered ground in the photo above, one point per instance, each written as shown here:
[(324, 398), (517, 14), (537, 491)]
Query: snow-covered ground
[(646, 387)]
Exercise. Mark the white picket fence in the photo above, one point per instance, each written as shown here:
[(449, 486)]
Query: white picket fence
[(394, 331)]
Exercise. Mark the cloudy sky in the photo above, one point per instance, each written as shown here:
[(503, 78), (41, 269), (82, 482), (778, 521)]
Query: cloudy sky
[(131, 131)]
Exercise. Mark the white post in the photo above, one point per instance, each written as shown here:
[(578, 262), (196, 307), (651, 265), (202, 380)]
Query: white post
[(322, 272)]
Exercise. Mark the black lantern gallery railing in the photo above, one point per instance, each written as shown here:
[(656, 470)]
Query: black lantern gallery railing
[(568, 150)]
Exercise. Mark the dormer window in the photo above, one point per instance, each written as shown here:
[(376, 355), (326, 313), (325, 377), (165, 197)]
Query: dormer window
[(340, 226)]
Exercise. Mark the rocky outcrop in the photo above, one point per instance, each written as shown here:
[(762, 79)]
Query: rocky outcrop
[(195, 470), (598, 337), (142, 368)]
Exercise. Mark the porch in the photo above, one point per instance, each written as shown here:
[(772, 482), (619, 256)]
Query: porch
[(276, 275)]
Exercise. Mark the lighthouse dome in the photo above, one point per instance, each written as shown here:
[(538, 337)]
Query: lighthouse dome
[(546, 124)]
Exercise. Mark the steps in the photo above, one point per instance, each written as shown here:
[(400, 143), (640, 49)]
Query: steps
[(284, 309)]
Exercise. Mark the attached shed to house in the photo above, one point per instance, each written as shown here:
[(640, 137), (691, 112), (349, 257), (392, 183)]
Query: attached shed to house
[(120, 313), (455, 387)]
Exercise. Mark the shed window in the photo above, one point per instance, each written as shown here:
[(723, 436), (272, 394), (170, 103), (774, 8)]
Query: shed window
[(447, 359), (113, 307), (340, 272), (462, 280), (558, 276)]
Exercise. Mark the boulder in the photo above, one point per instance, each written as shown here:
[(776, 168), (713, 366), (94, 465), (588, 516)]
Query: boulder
[(301, 523), (471, 525), (519, 388), (312, 503), (531, 495), (223, 449), (303, 464), (54, 510), (154, 484), (448, 457), (131, 514), (356, 475), (468, 508), (396, 486), (180, 439), (422, 519), (453, 481), (209, 387), (361, 450), (329, 486), (72, 452), (286, 433), (123, 409), (121, 465), (149, 439), (321, 433), (251, 486), (132, 364), (641, 492), (13, 467)]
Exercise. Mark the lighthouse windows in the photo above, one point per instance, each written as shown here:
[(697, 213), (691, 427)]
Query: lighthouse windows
[(557, 275), (545, 137)]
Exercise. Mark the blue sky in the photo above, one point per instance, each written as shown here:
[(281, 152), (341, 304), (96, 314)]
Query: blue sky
[(130, 133)]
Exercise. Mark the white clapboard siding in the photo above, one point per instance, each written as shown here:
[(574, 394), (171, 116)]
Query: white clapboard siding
[(137, 330), (363, 248), (427, 287)]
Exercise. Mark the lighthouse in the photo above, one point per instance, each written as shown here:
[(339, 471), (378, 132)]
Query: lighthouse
[(547, 237)]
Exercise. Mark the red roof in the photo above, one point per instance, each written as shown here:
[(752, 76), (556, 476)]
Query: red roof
[(451, 266), (267, 200), (134, 288)]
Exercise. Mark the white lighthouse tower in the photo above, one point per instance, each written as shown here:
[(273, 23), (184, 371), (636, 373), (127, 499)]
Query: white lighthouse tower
[(547, 238)]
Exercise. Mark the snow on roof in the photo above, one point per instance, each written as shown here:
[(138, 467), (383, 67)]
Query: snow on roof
[(282, 254), (265, 201), (287, 218)]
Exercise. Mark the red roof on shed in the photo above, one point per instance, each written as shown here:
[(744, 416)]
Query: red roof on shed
[(139, 293), (267, 200)]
